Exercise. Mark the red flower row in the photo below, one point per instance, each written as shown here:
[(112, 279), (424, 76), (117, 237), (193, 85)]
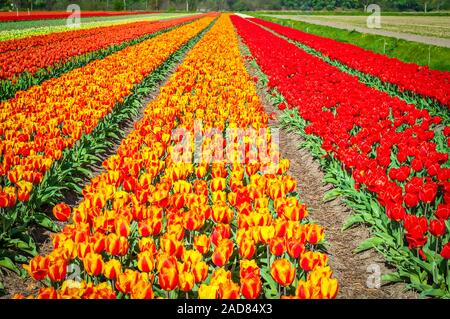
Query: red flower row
[(407, 76), (31, 54), (386, 144), (41, 15)]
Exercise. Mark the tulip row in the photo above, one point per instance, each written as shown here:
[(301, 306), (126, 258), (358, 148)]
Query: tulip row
[(406, 76), (42, 15), (381, 149), (38, 124), (155, 224), (31, 54), (73, 167), (27, 29), (9, 87)]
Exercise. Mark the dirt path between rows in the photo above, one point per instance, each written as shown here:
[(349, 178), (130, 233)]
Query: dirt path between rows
[(353, 271), (441, 42)]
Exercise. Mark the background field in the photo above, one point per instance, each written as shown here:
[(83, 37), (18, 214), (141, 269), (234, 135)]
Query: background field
[(435, 57), (434, 26)]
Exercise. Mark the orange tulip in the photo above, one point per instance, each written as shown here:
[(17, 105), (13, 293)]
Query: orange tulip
[(304, 290), (122, 227), (193, 220), (277, 246), (142, 290), (57, 270), (222, 214), (168, 244), (83, 249), (218, 184), (247, 248), (93, 264), (220, 232), (282, 272), (292, 210), (329, 288), (38, 267), (202, 243), (126, 280), (289, 183), (220, 256), (267, 233), (186, 281), (62, 212), (168, 278), (219, 197), (146, 262), (310, 260), (47, 293), (200, 271), (147, 243), (251, 286), (294, 247), (229, 290), (116, 246), (201, 171), (315, 234), (218, 170), (208, 292), (98, 242), (24, 190), (249, 267), (112, 268), (192, 257), (201, 187)]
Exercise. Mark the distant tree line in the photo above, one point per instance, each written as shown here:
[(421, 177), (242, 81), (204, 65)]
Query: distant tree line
[(221, 5)]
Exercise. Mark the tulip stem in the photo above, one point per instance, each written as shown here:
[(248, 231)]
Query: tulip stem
[(268, 256), (168, 294), (279, 291), (187, 295)]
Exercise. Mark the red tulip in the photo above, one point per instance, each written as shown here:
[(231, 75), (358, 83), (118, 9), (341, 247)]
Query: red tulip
[(437, 227), (62, 212), (445, 252)]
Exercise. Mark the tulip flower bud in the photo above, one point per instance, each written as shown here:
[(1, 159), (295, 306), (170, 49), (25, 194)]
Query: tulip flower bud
[(62, 212), (112, 268), (93, 264), (202, 243), (186, 281), (283, 272), (208, 292), (251, 286)]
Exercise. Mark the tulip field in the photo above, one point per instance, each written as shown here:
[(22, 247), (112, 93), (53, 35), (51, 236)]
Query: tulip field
[(146, 153)]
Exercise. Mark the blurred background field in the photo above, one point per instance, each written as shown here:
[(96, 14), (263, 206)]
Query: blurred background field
[(434, 26)]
